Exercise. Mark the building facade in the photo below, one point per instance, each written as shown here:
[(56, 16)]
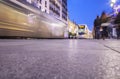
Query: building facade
[(32, 18), (72, 29), (56, 8)]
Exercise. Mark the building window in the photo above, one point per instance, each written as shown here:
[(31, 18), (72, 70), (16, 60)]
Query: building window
[(45, 3), (40, 1)]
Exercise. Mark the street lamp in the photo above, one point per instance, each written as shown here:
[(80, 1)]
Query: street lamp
[(112, 3)]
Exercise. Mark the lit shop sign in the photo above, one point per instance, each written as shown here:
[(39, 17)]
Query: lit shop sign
[(82, 27)]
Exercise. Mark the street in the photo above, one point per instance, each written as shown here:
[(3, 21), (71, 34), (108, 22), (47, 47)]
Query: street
[(59, 59)]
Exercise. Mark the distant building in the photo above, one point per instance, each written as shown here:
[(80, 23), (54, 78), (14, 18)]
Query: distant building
[(72, 29)]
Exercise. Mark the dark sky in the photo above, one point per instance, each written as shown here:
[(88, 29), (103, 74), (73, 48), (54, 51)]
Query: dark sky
[(85, 11)]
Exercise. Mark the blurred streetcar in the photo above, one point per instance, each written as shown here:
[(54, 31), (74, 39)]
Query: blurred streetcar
[(83, 31), (20, 20)]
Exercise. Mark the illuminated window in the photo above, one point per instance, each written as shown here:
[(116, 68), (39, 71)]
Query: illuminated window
[(82, 27)]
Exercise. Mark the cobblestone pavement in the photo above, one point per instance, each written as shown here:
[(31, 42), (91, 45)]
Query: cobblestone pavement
[(59, 59)]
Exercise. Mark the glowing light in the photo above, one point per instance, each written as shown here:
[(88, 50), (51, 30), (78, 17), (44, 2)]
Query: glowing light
[(111, 4), (29, 1), (113, 1)]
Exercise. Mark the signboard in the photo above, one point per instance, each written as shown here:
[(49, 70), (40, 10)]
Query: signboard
[(82, 27)]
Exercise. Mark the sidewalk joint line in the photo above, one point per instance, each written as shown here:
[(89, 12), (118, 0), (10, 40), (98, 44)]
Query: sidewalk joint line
[(112, 49)]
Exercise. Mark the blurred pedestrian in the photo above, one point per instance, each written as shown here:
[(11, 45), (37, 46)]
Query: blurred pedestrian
[(117, 22), (97, 27), (104, 26)]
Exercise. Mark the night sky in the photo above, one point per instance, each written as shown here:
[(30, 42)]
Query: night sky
[(85, 11)]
